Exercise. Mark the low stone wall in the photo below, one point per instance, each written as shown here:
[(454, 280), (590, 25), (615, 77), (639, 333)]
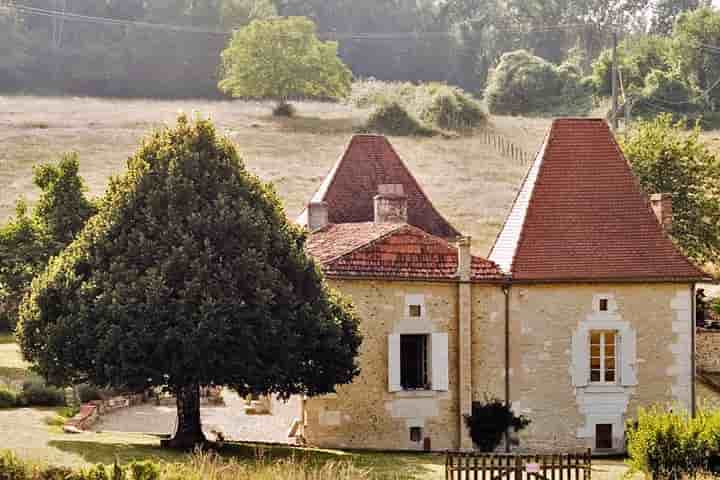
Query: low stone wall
[(90, 412), (707, 350)]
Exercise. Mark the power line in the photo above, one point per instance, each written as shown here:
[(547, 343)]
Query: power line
[(43, 12)]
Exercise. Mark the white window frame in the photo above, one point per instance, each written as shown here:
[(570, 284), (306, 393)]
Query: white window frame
[(603, 357)]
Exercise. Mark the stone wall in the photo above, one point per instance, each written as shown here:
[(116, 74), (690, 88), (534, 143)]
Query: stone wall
[(547, 324), (707, 350), (545, 320)]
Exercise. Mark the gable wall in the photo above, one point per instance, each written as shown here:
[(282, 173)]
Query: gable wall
[(544, 320)]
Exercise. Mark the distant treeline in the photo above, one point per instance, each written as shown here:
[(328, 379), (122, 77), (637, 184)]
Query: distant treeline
[(455, 41)]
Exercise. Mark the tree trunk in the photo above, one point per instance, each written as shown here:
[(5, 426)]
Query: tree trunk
[(189, 432)]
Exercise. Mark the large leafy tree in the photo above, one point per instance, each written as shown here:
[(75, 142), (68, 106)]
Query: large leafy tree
[(668, 159), (29, 239), (281, 59), (190, 275)]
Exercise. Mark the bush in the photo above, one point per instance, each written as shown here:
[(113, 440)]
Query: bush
[(8, 398), (451, 109), (392, 119), (12, 468), (670, 445), (37, 394), (489, 422), (88, 393), (525, 84), (667, 92), (145, 471), (284, 110)]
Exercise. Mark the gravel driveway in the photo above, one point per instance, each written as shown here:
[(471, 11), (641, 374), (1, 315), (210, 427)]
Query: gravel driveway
[(230, 419)]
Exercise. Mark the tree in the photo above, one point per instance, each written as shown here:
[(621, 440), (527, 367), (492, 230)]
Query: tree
[(525, 84), (190, 275), (28, 241), (668, 159), (280, 59), (665, 12), (238, 13), (694, 35)]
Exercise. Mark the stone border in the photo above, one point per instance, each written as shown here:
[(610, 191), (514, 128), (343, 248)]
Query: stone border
[(91, 412)]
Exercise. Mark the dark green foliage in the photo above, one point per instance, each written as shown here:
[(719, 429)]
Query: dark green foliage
[(668, 159), (12, 468), (665, 12), (523, 83), (8, 398), (190, 274), (284, 110), (667, 92), (36, 393), (87, 393), (490, 420), (452, 108), (28, 241), (637, 58), (392, 119), (144, 471)]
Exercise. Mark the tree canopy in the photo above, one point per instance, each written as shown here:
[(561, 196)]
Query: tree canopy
[(190, 275), (29, 239), (281, 59), (668, 159)]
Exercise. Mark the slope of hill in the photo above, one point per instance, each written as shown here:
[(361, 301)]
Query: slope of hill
[(470, 183)]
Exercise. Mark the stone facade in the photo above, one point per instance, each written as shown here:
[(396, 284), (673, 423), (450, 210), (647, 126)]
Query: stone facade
[(546, 322), (707, 350)]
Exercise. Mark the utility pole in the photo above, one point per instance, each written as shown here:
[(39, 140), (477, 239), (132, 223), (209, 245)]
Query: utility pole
[(614, 81)]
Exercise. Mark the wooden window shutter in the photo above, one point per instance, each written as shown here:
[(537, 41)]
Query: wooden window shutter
[(581, 358), (628, 342), (394, 363), (439, 362)]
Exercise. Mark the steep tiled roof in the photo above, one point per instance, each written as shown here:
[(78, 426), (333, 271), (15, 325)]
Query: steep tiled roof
[(394, 251), (353, 182), (580, 215)]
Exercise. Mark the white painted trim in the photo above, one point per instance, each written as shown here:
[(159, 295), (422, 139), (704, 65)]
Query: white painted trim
[(394, 381), (439, 362)]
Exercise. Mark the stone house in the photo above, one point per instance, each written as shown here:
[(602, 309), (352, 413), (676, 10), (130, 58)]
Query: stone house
[(581, 314)]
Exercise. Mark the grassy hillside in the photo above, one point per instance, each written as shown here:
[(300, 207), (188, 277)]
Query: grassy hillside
[(469, 181)]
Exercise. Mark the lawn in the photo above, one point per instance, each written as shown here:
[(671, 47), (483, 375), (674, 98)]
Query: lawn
[(469, 182)]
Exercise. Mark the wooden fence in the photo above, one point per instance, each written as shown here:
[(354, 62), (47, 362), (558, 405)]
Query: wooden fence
[(505, 147), (485, 466)]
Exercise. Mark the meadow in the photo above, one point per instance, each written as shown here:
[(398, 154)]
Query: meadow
[(468, 181)]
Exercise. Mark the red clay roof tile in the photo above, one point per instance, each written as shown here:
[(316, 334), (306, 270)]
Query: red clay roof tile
[(350, 187), (393, 251), (581, 215)]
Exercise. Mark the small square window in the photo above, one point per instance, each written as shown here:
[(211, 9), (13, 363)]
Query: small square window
[(415, 434), (603, 436), (415, 311), (603, 304)]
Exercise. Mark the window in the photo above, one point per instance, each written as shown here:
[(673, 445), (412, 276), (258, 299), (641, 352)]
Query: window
[(415, 311), (603, 356), (415, 434), (603, 304), (414, 362), (603, 436)]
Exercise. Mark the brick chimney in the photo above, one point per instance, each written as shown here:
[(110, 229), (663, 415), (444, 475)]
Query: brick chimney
[(317, 215), (464, 258), (391, 204), (662, 206)]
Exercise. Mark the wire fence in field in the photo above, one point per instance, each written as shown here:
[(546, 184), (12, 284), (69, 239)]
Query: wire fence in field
[(506, 147)]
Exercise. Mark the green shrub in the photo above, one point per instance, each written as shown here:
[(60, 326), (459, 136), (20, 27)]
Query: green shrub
[(88, 393), (392, 119), (37, 394), (8, 398), (667, 92), (54, 473), (489, 422), (670, 444), (12, 468), (451, 109), (145, 471), (284, 110), (524, 84)]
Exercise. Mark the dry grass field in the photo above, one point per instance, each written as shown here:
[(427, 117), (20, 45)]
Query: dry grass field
[(470, 183)]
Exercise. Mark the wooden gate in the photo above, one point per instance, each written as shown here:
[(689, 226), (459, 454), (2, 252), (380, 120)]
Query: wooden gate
[(488, 466)]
